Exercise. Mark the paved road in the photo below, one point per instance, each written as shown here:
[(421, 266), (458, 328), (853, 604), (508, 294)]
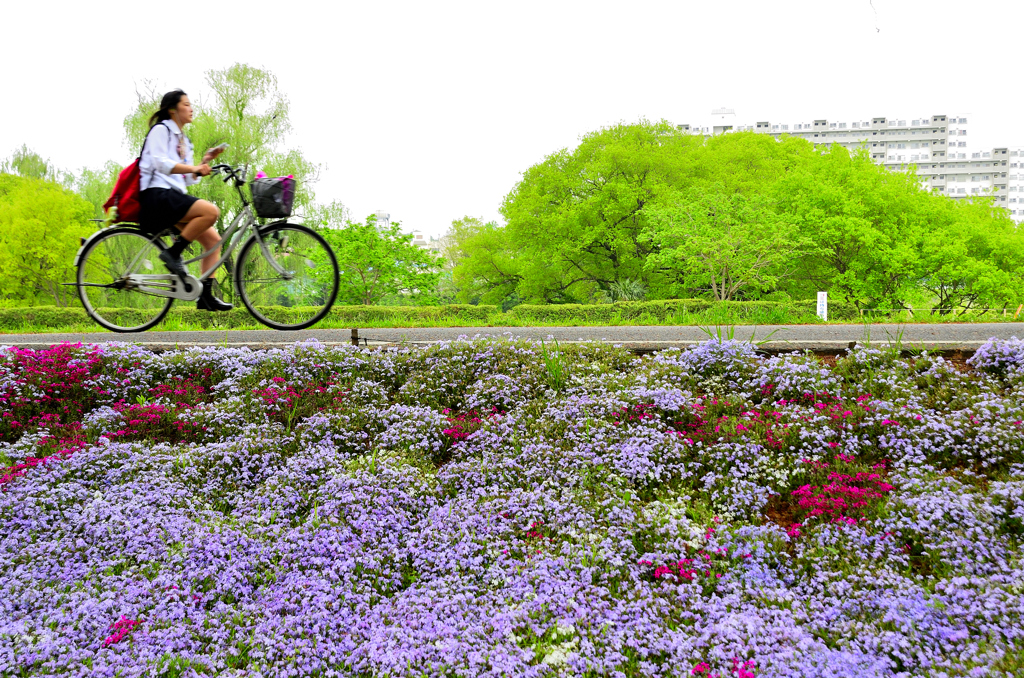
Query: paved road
[(781, 337)]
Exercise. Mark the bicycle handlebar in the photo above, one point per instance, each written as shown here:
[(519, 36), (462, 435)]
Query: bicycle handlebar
[(229, 172)]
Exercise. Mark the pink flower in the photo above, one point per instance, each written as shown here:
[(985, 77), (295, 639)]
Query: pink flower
[(121, 628)]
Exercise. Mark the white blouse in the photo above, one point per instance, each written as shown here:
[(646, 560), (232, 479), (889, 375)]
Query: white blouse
[(161, 155)]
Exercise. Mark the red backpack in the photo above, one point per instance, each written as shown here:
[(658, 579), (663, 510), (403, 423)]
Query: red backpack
[(125, 195)]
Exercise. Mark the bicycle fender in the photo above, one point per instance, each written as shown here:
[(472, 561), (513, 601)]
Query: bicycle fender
[(85, 244), (88, 241)]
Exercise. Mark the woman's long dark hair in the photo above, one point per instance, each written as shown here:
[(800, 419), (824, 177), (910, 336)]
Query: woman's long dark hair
[(167, 104)]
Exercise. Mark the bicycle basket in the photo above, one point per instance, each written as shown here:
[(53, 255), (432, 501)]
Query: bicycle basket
[(272, 197)]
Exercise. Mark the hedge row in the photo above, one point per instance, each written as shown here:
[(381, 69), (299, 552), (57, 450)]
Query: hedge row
[(53, 317), (667, 309), (764, 312)]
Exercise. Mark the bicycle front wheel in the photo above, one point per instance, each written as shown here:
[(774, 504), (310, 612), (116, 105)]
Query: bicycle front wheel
[(296, 286), (103, 269)]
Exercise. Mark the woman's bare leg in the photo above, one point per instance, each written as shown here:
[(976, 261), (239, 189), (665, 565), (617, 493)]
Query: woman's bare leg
[(208, 239), (200, 217), (197, 224)]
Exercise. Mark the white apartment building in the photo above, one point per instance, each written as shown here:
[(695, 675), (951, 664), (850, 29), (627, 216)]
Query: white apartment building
[(420, 240), (937, 145), (1015, 183)]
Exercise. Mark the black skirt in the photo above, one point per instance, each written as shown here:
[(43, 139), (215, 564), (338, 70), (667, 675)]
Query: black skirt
[(161, 208)]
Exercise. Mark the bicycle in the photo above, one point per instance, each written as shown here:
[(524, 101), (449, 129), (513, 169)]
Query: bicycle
[(286, 274)]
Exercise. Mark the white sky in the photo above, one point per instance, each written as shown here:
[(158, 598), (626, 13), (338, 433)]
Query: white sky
[(431, 110)]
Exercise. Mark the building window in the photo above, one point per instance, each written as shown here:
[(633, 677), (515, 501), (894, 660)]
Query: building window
[(963, 121)]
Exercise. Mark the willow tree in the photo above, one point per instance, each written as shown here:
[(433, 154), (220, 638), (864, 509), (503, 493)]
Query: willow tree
[(243, 106)]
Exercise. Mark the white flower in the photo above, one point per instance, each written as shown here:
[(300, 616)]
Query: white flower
[(556, 657)]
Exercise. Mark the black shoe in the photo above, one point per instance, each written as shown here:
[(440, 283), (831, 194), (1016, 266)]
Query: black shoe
[(174, 264), (208, 302)]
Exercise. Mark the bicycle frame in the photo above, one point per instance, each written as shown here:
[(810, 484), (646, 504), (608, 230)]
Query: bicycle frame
[(236, 226), (242, 222)]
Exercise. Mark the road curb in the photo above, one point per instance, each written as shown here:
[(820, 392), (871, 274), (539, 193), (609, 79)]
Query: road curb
[(812, 345)]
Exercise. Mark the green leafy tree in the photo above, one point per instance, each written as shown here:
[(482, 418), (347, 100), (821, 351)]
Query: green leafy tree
[(579, 222), (453, 242), (24, 162), (487, 268), (377, 261), (867, 223), (41, 223), (971, 256), (96, 185), (450, 248), (729, 244), (576, 219), (244, 107)]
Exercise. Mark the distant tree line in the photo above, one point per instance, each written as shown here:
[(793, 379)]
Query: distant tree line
[(645, 211)]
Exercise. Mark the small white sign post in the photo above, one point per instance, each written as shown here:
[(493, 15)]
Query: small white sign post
[(823, 306)]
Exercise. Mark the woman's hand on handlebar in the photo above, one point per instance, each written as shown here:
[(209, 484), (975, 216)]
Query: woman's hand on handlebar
[(201, 170)]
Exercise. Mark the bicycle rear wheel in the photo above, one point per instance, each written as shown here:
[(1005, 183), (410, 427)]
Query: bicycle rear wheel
[(103, 268), (304, 293)]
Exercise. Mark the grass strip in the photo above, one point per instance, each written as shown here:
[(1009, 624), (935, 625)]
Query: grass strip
[(676, 312)]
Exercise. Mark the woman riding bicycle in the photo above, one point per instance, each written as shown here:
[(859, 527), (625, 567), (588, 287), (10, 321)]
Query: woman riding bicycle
[(165, 173)]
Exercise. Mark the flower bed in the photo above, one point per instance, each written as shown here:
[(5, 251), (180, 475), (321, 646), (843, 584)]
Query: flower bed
[(501, 508)]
